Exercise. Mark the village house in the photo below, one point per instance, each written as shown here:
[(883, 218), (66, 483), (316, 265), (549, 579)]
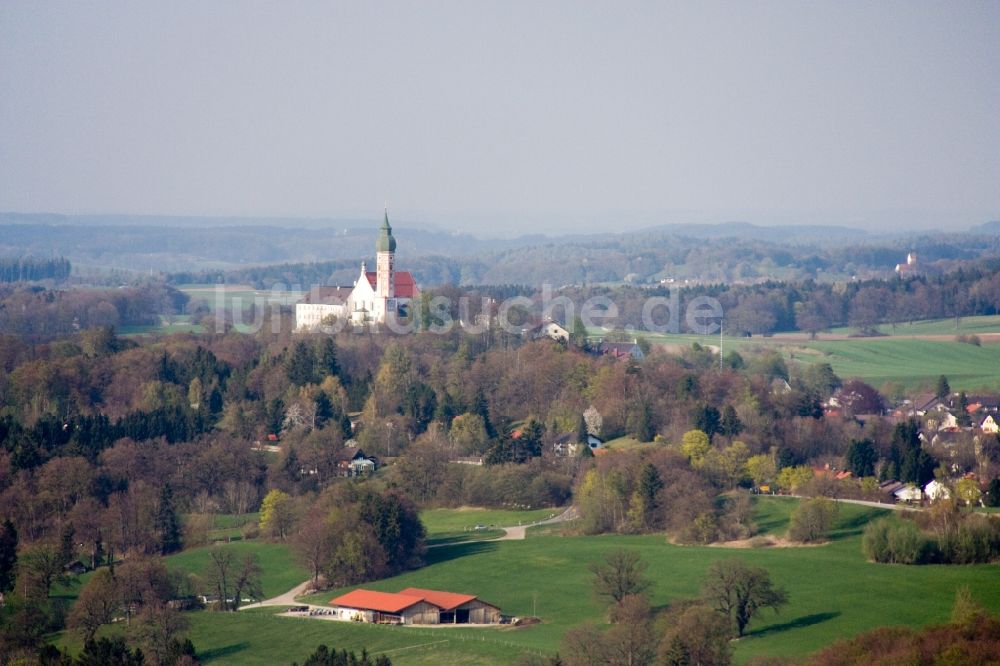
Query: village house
[(566, 445), (546, 329), (936, 490), (621, 351), (352, 461), (414, 606), (990, 425)]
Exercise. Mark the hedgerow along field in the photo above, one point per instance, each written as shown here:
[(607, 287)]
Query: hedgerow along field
[(833, 593)]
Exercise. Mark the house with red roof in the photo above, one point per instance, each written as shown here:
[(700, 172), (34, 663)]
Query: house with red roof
[(374, 297), (414, 606)]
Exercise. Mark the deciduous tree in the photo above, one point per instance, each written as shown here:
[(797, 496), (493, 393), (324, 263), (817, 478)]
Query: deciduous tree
[(623, 572), (740, 591)]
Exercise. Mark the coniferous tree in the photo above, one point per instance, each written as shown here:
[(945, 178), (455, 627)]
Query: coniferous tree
[(582, 436), (167, 524), (644, 431), (67, 544), (731, 424), (328, 364), (943, 389), (324, 409), (708, 420), (861, 458), (481, 407), (300, 366), (963, 417), (8, 556), (445, 412), (345, 426)]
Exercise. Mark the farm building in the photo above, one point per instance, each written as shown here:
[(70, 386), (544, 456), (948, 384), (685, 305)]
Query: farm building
[(414, 606), (458, 608)]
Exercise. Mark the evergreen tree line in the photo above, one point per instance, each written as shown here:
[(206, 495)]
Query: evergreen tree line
[(29, 269), (87, 436)]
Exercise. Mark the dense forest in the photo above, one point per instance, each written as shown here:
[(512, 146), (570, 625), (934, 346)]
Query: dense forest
[(32, 269)]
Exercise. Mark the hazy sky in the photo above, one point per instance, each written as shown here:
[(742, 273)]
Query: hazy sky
[(508, 116)]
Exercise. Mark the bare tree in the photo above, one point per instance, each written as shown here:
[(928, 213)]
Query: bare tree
[(247, 580), (622, 573)]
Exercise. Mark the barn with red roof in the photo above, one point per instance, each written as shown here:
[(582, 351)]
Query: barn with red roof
[(414, 606)]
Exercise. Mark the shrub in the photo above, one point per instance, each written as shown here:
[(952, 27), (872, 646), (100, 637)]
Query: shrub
[(875, 541), (976, 540), (908, 545), (812, 520), (896, 542)]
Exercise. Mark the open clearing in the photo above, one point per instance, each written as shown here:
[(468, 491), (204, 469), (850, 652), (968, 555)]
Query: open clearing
[(833, 593)]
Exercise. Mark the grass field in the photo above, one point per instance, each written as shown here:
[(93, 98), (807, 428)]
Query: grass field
[(438, 521), (459, 525), (966, 326), (911, 363), (833, 593), (231, 525), (280, 570)]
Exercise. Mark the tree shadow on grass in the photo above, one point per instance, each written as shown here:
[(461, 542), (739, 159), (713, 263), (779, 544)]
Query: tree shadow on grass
[(444, 553), (224, 651), (797, 623), (853, 527)]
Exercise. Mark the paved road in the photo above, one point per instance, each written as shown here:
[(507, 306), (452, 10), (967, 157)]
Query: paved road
[(519, 532), (876, 505), (286, 599)]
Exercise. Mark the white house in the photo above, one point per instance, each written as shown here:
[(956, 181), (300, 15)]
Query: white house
[(908, 493), (547, 329), (936, 490), (374, 295), (990, 425), (948, 423)]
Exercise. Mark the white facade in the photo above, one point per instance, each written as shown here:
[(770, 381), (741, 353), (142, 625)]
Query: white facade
[(372, 298), (990, 425), (311, 315)]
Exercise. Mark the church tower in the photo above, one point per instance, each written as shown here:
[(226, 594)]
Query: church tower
[(385, 248)]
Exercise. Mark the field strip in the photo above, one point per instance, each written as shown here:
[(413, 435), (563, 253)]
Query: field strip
[(410, 647)]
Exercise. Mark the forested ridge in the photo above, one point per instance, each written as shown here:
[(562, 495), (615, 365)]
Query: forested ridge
[(119, 449)]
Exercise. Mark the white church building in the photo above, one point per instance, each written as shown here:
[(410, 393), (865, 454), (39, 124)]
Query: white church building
[(373, 295)]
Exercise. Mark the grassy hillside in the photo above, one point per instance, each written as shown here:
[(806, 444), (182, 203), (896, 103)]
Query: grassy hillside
[(966, 326), (453, 525), (833, 592), (912, 363), (280, 570)]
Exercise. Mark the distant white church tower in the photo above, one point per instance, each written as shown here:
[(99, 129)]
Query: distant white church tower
[(373, 296), (385, 249)]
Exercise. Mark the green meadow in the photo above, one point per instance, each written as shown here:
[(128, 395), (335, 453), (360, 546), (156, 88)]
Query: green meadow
[(966, 326), (437, 521), (280, 570), (833, 593), (912, 363)]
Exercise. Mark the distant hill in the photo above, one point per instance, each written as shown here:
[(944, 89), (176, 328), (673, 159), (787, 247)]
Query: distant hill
[(989, 228), (303, 251), (771, 234)]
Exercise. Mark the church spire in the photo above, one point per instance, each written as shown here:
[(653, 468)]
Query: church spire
[(385, 243)]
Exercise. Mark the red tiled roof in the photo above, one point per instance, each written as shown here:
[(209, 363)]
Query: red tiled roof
[(444, 600), (405, 286), (384, 602)]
